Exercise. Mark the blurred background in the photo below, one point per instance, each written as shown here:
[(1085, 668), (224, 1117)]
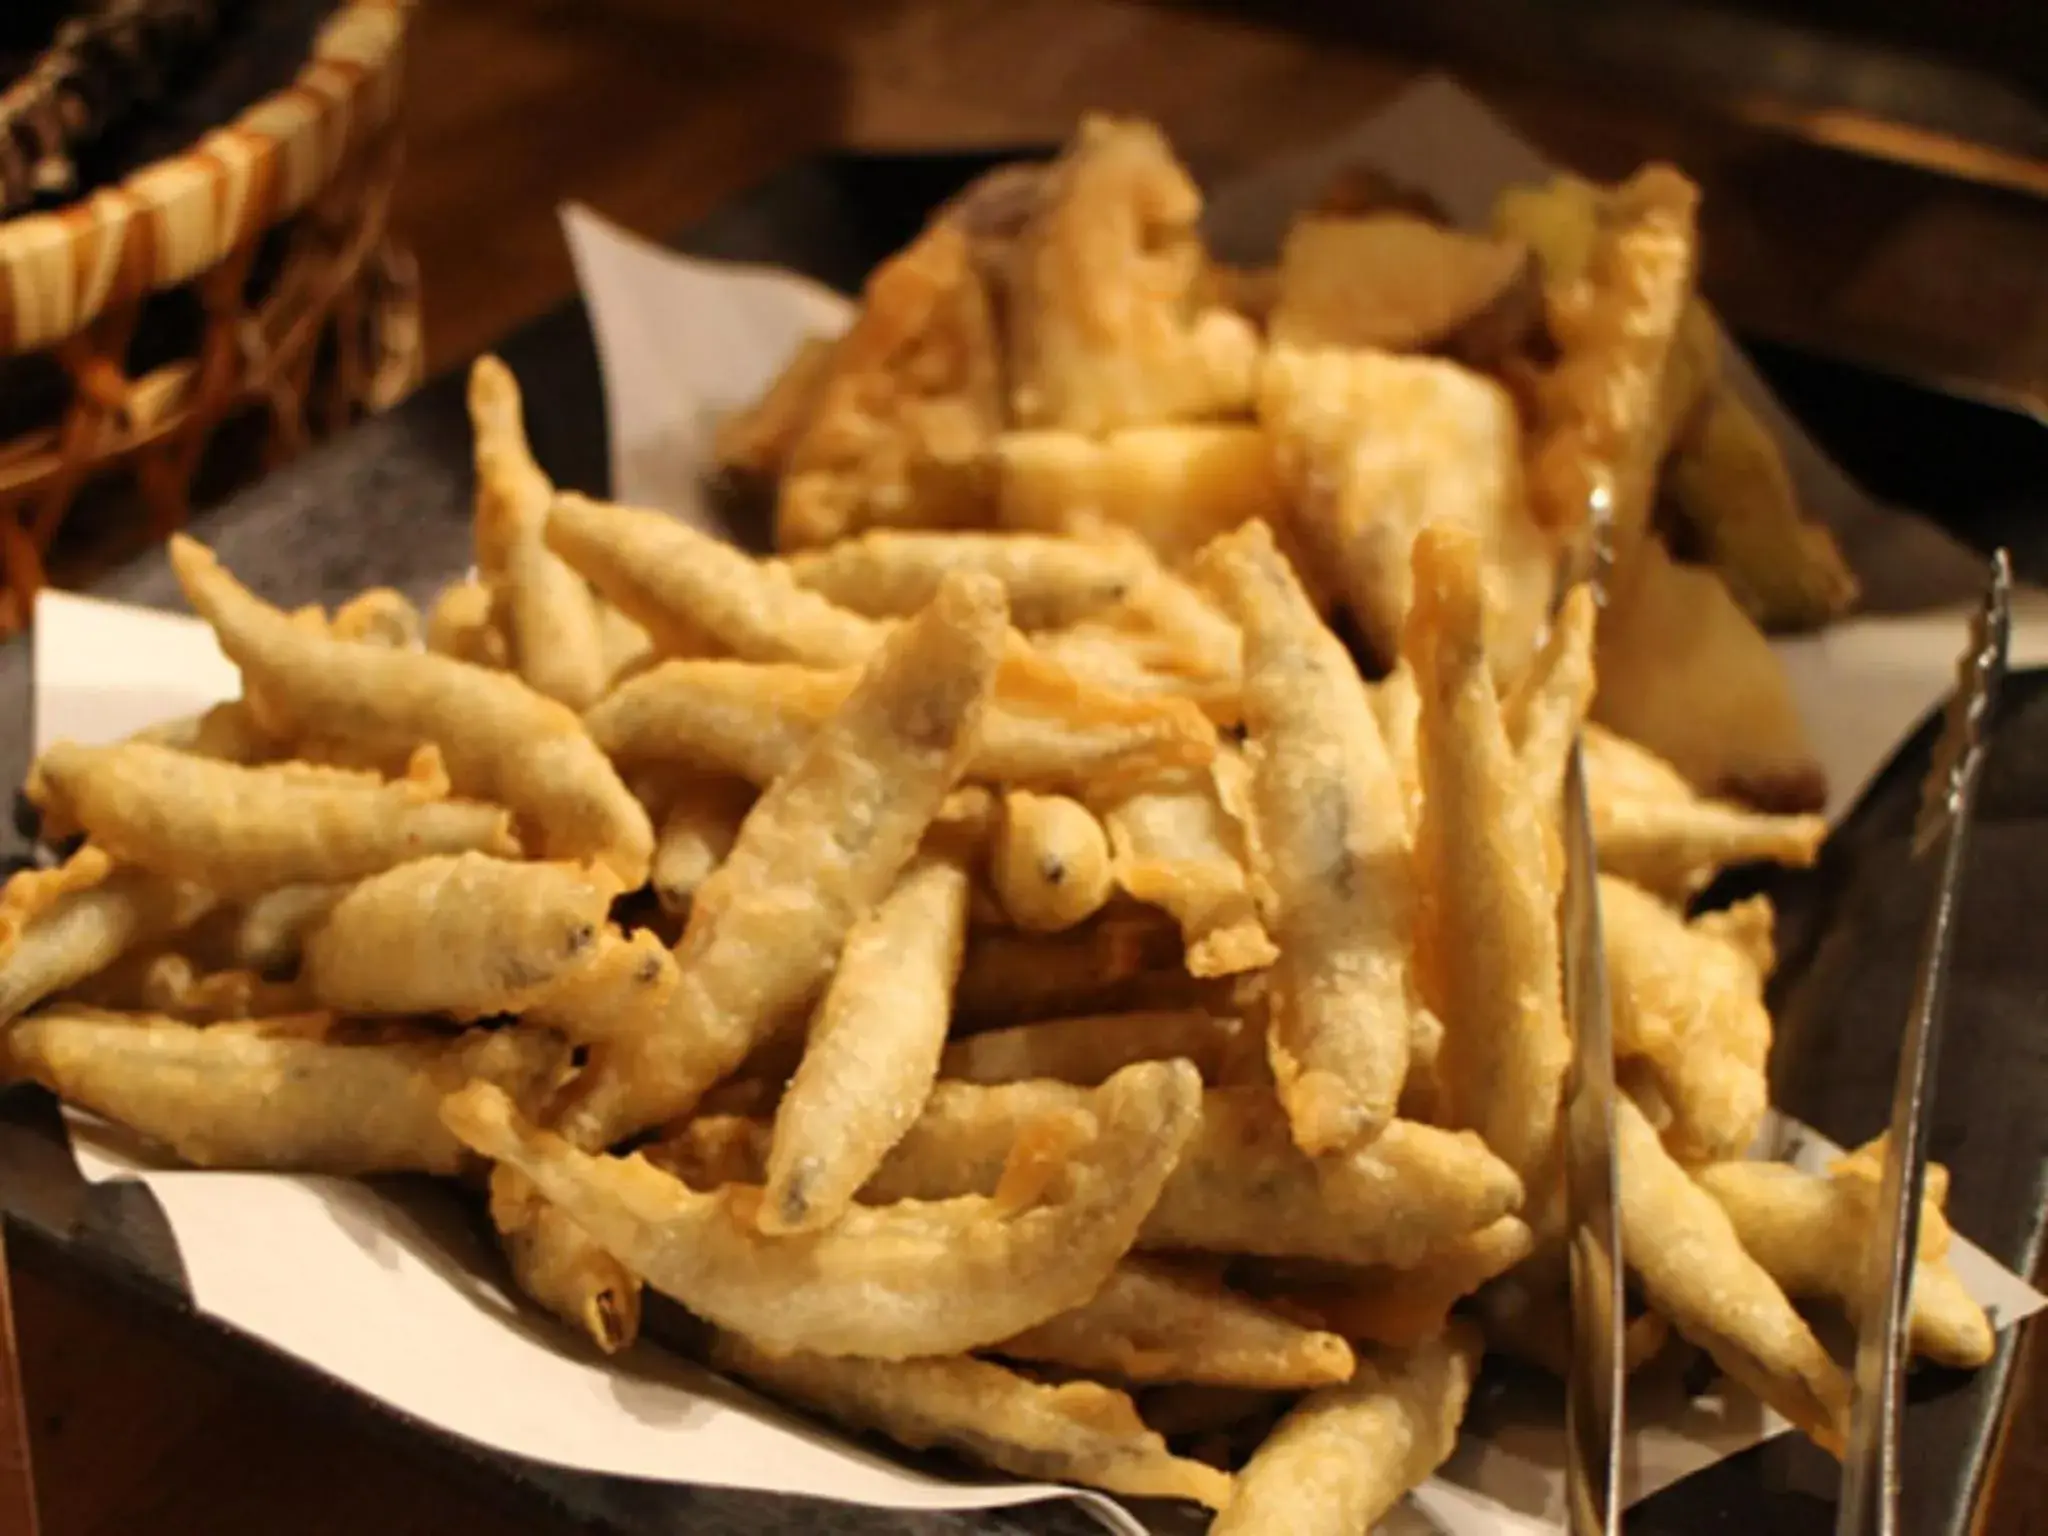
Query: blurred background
[(1876, 188)]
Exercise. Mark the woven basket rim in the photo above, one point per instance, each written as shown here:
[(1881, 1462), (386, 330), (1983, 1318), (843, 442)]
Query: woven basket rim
[(168, 221)]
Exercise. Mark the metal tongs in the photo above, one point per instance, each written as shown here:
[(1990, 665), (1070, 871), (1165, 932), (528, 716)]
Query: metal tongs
[(1941, 834), (1592, 1167)]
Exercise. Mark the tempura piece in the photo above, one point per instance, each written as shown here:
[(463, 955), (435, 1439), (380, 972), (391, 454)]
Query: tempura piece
[(268, 933), (1103, 328), (755, 443), (501, 741), (1676, 847), (1075, 1432), (1375, 448), (897, 1282), (823, 845), (242, 831), (278, 1094), (1051, 582), (1403, 1308), (1729, 481), (698, 829), (463, 626), (556, 1263), (1813, 1234), (227, 731), (378, 616), (1601, 428), (873, 1049), (679, 583), (912, 397), (1692, 1005), (1546, 715), (1155, 1322), (1175, 487), (1685, 673), (1532, 1322), (754, 720), (621, 993), (169, 983), (549, 614), (466, 936), (1693, 1269), (1487, 941), (1117, 963), (1177, 847), (1348, 1454), (59, 926), (1087, 1050), (1331, 840), (1242, 1186), (1050, 862)]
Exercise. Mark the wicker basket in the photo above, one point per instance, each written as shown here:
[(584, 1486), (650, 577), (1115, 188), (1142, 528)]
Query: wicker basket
[(308, 311)]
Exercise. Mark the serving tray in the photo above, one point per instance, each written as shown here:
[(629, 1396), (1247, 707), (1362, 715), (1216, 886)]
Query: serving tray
[(388, 504)]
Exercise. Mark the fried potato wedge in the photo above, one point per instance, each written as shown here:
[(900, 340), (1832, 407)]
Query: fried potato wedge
[(1691, 1004), (466, 936), (1487, 940), (242, 831), (287, 1095), (1398, 283), (1347, 1454), (686, 588), (1695, 1271), (1089, 1049), (1075, 1432), (1685, 673), (549, 612), (1813, 1235), (896, 1282), (1051, 582), (900, 425), (1103, 330), (1330, 837), (821, 846), (501, 741), (1157, 1322), (1176, 487), (1050, 862), (872, 1050), (60, 926), (1374, 448)]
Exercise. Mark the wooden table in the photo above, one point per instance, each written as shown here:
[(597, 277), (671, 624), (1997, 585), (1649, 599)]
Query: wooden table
[(653, 111)]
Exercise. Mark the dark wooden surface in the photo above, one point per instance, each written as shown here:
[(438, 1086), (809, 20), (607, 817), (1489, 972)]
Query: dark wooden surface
[(654, 111)]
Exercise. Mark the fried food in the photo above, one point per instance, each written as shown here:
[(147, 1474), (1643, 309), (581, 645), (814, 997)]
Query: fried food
[(243, 831), (501, 741), (463, 626), (1694, 1270), (872, 1051), (465, 935), (1347, 1454), (895, 1282), (823, 845), (60, 926), (1374, 448), (556, 1263), (1813, 1234), (1176, 487), (1154, 1322), (912, 396), (290, 1095), (1075, 1432), (697, 830), (1487, 958), (1102, 327), (378, 616), (1404, 1308), (1331, 841), (549, 614), (755, 443), (1684, 673), (1091, 1048), (1050, 862), (1393, 282), (1051, 582)]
